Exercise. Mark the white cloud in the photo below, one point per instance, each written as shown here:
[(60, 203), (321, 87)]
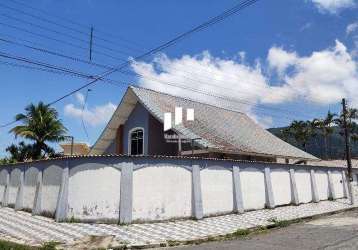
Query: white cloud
[(321, 78), (205, 73), (80, 98), (96, 116), (333, 6), (306, 26), (324, 77), (352, 27), (280, 59)]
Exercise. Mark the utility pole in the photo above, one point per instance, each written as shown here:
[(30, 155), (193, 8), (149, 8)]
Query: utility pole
[(348, 150)]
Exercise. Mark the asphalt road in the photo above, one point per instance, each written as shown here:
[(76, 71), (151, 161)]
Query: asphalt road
[(339, 231)]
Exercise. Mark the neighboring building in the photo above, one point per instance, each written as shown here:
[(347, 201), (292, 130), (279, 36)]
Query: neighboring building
[(136, 128), (78, 149)]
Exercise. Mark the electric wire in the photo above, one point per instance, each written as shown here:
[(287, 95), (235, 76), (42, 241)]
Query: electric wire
[(231, 11)]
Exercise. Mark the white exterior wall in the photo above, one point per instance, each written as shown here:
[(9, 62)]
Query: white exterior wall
[(14, 185), (52, 176), (304, 187), (337, 182), (162, 192), (322, 184), (98, 189), (281, 186), (217, 190), (3, 174), (30, 187), (253, 188)]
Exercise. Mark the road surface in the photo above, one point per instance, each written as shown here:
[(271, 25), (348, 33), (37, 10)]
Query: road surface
[(339, 231)]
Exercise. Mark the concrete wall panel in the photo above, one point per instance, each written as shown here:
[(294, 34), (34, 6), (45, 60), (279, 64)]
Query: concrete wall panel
[(51, 186), (162, 192), (14, 185), (3, 174), (304, 189), (281, 187), (97, 186), (338, 184), (322, 184), (30, 187), (253, 188), (217, 190)]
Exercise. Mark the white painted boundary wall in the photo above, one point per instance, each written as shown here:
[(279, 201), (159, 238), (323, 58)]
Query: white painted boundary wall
[(132, 189)]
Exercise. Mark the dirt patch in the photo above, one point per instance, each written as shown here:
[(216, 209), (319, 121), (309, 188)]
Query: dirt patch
[(94, 242)]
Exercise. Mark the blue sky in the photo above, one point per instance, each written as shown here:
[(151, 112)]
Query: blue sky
[(294, 59)]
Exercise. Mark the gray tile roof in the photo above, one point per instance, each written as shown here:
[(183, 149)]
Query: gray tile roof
[(220, 129)]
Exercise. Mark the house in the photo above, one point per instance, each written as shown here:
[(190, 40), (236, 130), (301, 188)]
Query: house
[(136, 128), (75, 149)]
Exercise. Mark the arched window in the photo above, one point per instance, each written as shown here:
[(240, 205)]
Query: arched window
[(136, 141)]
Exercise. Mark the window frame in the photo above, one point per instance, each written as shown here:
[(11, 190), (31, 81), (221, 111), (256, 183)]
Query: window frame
[(130, 140)]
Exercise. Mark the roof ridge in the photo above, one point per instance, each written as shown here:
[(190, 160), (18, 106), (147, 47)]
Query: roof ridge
[(133, 87)]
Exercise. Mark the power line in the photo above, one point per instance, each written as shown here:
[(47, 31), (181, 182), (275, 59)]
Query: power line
[(63, 34), (87, 27), (116, 83), (111, 67), (210, 22), (56, 53), (231, 11), (189, 72), (57, 69), (60, 41)]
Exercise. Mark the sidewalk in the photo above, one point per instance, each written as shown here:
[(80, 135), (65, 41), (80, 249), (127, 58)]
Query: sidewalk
[(23, 228)]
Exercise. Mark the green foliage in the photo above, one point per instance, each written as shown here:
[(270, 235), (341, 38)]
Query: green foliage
[(21, 152), (6, 245), (51, 245), (322, 137), (40, 124), (241, 232)]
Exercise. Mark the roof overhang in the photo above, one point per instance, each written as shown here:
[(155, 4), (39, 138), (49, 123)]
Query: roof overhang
[(118, 118)]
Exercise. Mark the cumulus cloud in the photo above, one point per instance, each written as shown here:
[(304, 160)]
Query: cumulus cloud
[(205, 78), (321, 78), (95, 116), (324, 77), (352, 27), (280, 59), (333, 6)]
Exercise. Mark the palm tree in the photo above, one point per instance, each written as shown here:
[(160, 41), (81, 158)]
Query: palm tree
[(40, 124), (301, 132), (352, 114), (326, 126)]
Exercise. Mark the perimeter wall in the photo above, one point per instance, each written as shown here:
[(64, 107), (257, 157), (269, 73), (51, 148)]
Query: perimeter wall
[(133, 189)]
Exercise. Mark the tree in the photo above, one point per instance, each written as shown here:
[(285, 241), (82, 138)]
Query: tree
[(326, 127), (301, 131), (40, 124), (352, 115), (21, 152)]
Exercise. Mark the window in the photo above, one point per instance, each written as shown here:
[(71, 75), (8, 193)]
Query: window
[(136, 144)]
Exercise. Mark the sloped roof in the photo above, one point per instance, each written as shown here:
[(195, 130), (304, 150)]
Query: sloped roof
[(219, 129)]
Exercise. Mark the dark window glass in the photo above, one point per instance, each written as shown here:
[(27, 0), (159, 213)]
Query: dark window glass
[(137, 142)]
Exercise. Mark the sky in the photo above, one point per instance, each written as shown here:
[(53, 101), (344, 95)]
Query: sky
[(277, 60)]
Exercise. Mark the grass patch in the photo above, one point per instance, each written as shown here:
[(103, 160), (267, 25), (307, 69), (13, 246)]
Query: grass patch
[(27, 210), (48, 214), (282, 223), (73, 220), (6, 245), (241, 232)]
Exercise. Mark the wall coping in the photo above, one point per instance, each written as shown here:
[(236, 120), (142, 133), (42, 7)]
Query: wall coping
[(164, 157)]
